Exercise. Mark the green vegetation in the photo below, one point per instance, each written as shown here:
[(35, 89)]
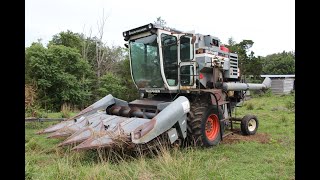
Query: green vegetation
[(76, 71), (279, 63), (274, 159), (250, 65)]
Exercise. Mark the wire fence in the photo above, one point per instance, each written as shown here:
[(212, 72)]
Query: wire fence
[(43, 119)]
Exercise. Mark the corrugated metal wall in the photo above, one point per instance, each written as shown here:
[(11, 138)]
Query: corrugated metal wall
[(287, 85), (282, 85)]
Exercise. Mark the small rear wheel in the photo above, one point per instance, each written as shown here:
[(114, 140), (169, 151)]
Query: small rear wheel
[(249, 125)]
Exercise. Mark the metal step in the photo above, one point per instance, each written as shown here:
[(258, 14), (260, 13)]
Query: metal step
[(145, 104)]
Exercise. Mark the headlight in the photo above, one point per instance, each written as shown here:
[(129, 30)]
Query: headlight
[(150, 26), (124, 34)]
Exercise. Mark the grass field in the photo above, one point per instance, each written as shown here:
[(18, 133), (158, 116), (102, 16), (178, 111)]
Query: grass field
[(234, 158)]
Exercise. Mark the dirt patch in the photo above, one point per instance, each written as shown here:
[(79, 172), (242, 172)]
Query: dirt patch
[(279, 108), (145, 176), (237, 137)]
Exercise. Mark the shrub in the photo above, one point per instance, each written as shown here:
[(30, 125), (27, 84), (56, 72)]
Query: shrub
[(290, 105), (32, 145), (260, 108), (249, 106), (283, 119), (66, 110)]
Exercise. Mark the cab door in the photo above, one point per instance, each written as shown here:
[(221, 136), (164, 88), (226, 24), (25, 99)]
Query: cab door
[(187, 64), (170, 58)]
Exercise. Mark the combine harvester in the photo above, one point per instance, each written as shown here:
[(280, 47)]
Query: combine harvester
[(189, 86)]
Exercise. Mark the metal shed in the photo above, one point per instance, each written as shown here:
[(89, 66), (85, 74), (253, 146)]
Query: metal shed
[(281, 84)]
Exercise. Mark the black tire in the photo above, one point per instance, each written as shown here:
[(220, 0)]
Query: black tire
[(249, 125), (197, 120)]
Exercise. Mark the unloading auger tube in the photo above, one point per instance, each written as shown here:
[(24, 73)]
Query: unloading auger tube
[(97, 129), (232, 86)]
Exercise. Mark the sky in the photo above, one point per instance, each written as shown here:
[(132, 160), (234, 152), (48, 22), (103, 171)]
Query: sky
[(270, 24)]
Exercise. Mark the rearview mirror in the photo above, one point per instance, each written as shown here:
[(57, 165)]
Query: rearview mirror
[(126, 45), (193, 39)]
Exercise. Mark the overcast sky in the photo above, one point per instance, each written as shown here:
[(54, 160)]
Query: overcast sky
[(269, 23)]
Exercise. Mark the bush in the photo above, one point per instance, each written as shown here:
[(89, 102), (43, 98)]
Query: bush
[(267, 93), (260, 107), (32, 145), (284, 120), (60, 73), (29, 95), (29, 170), (112, 84), (36, 111), (292, 92), (290, 105), (249, 106), (262, 93), (66, 110)]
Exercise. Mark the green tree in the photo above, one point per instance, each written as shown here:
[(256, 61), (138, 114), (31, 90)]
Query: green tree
[(232, 45), (160, 21), (68, 39), (101, 57), (61, 75), (112, 84), (69, 69), (279, 63), (123, 69), (248, 63)]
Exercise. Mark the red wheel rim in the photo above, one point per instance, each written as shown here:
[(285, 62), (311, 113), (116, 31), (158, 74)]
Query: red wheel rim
[(212, 127)]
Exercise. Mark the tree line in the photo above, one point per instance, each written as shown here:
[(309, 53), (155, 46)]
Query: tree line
[(77, 70), (276, 63)]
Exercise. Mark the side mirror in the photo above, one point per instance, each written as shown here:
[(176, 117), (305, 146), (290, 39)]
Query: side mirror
[(193, 39), (126, 45)]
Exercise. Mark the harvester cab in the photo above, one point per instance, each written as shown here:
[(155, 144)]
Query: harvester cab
[(189, 85), (161, 59)]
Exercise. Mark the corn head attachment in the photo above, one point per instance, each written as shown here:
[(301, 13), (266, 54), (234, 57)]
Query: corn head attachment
[(112, 122)]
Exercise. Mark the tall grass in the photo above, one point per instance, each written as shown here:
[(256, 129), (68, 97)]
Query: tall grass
[(241, 160), (66, 110), (30, 95)]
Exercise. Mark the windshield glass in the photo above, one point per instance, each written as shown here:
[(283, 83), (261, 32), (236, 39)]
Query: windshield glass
[(145, 62), (170, 58)]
